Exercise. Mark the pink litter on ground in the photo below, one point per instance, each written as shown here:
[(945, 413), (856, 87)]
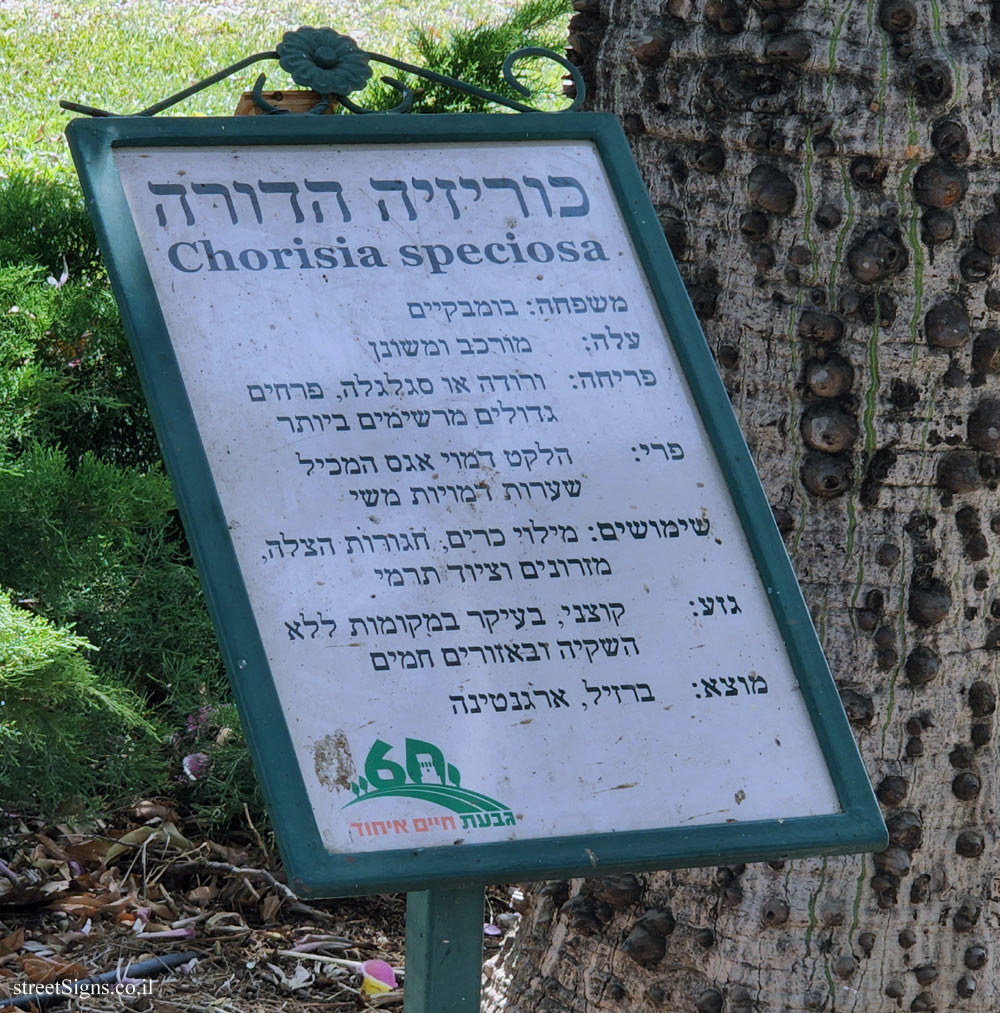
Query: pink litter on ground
[(195, 765), (377, 977)]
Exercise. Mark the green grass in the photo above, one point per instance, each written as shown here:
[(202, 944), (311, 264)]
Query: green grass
[(124, 55)]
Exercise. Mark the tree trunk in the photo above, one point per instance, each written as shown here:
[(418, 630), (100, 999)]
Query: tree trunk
[(826, 174)]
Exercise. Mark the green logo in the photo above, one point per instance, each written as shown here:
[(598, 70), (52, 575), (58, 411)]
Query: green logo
[(427, 777)]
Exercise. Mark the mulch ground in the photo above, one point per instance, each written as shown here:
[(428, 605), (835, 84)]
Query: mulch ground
[(81, 901)]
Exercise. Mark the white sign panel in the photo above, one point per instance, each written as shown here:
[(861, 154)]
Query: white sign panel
[(497, 572)]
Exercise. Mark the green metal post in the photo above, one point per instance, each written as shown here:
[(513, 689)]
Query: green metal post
[(444, 950)]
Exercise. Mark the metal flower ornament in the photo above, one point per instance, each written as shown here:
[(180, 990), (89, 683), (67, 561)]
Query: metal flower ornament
[(324, 60), (334, 66)]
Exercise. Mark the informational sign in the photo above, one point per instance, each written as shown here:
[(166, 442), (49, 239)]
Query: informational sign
[(495, 579)]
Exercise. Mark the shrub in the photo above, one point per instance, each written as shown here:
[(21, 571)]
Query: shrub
[(65, 732), (221, 779), (109, 671), (44, 224), (89, 537), (476, 55)]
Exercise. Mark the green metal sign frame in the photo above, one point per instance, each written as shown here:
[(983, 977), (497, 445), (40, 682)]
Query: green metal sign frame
[(312, 869)]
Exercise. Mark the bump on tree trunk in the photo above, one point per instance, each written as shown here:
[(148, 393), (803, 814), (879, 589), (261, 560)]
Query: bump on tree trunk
[(826, 175)]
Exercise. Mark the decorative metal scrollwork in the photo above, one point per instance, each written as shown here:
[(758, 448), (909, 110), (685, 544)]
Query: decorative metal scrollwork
[(334, 66)]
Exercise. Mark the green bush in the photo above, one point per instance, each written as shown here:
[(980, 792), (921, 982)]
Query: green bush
[(227, 782), (85, 523), (66, 733), (476, 55), (110, 677), (120, 643), (89, 537), (66, 374), (42, 224)]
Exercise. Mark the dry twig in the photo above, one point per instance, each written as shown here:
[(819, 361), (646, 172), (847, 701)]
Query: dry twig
[(294, 904)]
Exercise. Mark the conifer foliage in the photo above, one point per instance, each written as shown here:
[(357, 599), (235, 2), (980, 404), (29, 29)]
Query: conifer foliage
[(111, 683), (105, 644), (476, 55)]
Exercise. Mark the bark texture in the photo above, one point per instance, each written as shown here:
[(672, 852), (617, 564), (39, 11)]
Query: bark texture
[(827, 176)]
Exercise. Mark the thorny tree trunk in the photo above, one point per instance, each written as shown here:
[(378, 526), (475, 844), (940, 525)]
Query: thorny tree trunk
[(827, 175)]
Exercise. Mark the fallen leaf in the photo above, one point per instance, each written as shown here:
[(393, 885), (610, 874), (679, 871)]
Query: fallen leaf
[(162, 911), (13, 942), (301, 978), (90, 852), (86, 905), (25, 894), (149, 810), (110, 879), (235, 856), (39, 947), (51, 848), (270, 907), (166, 834), (202, 895), (226, 921), (42, 972)]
